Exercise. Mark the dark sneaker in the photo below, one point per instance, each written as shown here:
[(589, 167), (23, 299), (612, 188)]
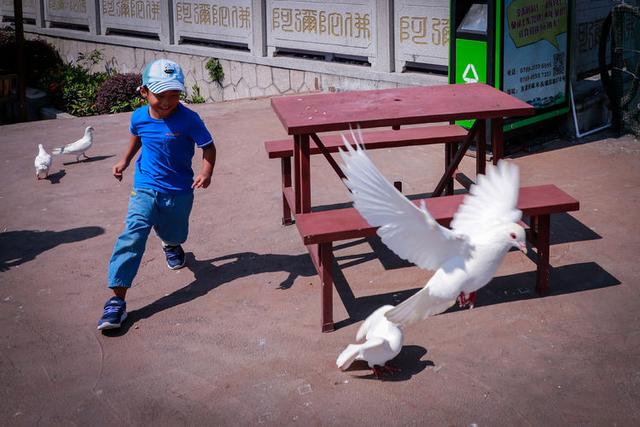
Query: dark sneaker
[(175, 256), (115, 311)]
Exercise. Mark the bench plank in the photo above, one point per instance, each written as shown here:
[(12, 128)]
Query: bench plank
[(375, 140), (347, 223)]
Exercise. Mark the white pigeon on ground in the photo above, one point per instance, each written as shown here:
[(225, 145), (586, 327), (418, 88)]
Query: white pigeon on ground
[(79, 147), (465, 257), (42, 163), (382, 342)]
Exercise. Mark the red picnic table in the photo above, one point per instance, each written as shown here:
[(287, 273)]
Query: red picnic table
[(306, 116)]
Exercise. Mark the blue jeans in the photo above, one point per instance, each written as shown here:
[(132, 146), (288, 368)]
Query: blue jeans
[(168, 214)]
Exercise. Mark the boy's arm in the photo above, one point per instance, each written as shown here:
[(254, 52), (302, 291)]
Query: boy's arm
[(208, 163), (128, 155)]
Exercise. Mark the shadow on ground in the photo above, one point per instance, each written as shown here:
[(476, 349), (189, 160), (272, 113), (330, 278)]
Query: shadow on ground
[(409, 361), (89, 160), (212, 273), (20, 246), (55, 178), (552, 140), (566, 279)]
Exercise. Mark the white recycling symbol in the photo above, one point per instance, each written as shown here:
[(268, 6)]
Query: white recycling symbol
[(470, 70)]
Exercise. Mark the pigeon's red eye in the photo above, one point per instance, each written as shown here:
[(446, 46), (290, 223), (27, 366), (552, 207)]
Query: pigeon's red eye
[(513, 236)]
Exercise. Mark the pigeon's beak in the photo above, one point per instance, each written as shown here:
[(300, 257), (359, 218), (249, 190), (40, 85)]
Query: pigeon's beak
[(522, 246)]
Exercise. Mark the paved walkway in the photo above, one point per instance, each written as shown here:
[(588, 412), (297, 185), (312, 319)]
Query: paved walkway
[(233, 339)]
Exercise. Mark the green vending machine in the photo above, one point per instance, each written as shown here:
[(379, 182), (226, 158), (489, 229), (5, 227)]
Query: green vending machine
[(518, 46)]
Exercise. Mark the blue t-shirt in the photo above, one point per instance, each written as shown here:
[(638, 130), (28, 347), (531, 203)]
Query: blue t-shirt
[(164, 163)]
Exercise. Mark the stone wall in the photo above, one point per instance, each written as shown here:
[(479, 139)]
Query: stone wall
[(241, 79)]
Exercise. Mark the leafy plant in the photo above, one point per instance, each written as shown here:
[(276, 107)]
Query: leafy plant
[(73, 87), (196, 98), (215, 70), (90, 58), (130, 105), (77, 89), (119, 93), (87, 60)]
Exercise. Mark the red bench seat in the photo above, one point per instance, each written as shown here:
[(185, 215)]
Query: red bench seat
[(320, 229)]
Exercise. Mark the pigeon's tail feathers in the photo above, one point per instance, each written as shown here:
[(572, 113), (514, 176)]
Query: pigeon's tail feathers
[(348, 356), (419, 306), (373, 319), (58, 150), (363, 329)]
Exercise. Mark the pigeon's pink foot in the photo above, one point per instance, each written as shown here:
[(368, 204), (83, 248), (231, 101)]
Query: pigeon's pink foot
[(465, 301), (388, 368), (391, 368)]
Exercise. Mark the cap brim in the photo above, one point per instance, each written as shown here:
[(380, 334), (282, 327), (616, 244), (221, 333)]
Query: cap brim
[(159, 87)]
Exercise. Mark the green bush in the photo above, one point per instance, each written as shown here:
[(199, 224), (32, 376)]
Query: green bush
[(119, 93), (72, 87)]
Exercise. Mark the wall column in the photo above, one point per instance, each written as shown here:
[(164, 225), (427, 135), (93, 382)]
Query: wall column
[(259, 27), (166, 25), (384, 55)]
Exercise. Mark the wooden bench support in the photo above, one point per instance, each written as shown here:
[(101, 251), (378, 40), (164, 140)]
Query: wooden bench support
[(542, 231), (322, 258), (286, 183), (320, 229)]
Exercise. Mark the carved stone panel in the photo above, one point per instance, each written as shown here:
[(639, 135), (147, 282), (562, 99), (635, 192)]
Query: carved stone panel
[(422, 32), (131, 15), (216, 20), (335, 26), (66, 11)]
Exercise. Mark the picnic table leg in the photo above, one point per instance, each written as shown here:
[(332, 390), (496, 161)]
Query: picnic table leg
[(497, 139), (542, 243), (481, 148), (285, 164), (302, 173), (449, 151), (325, 252), (533, 223), (455, 161)]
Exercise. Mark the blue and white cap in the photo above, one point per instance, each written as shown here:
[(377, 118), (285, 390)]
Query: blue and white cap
[(162, 75)]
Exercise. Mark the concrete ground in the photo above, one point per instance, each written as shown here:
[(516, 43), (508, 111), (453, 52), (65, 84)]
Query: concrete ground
[(234, 338)]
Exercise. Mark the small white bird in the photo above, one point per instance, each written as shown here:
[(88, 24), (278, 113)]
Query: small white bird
[(466, 257), (42, 163), (79, 147), (383, 342)]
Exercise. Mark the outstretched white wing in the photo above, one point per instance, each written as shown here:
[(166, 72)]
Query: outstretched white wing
[(491, 202), (409, 231)]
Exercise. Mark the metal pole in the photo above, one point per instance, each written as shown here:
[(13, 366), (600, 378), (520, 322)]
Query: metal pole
[(22, 84)]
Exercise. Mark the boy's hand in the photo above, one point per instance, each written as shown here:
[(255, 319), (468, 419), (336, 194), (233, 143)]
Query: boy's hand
[(118, 168), (201, 181)]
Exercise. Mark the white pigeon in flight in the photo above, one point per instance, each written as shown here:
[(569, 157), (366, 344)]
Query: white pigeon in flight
[(465, 257), (383, 342), (42, 163), (79, 147)]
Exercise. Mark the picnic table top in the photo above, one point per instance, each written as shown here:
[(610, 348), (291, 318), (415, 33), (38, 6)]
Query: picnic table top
[(402, 106)]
